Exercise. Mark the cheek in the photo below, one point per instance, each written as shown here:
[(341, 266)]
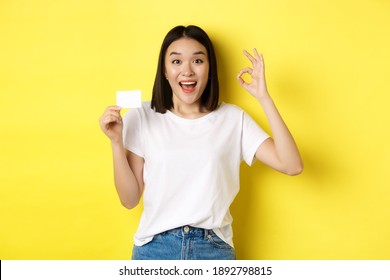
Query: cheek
[(171, 73), (206, 71)]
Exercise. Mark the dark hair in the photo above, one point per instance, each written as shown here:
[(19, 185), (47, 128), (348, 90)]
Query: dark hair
[(162, 92)]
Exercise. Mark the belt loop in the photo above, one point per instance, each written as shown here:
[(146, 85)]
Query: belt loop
[(206, 234)]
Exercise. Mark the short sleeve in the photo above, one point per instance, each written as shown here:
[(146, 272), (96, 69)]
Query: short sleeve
[(252, 136), (132, 132)]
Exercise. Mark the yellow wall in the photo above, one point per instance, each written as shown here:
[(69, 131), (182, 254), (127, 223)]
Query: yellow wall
[(327, 65)]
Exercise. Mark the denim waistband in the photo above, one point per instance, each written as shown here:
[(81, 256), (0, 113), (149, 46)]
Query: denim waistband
[(190, 231)]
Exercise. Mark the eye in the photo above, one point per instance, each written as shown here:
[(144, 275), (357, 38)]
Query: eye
[(198, 61), (175, 61)]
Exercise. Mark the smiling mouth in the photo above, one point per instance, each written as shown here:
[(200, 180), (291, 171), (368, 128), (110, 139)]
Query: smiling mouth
[(188, 85)]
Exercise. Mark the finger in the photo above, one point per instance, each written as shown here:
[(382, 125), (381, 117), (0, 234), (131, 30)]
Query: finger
[(115, 114), (113, 109), (250, 57), (244, 84), (258, 57), (241, 73), (111, 116), (245, 70), (240, 80), (109, 120), (116, 108), (111, 112)]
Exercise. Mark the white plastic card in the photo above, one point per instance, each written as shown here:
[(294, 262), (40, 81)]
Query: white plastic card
[(128, 98)]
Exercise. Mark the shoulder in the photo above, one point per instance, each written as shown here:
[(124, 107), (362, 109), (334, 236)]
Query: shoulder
[(230, 109)]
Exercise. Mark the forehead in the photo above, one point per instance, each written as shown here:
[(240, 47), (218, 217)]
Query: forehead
[(186, 46)]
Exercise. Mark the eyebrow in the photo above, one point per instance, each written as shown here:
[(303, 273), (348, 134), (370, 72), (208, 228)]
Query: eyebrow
[(195, 53)]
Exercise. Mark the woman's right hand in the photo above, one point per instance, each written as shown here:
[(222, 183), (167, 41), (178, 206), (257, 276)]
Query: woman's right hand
[(111, 123)]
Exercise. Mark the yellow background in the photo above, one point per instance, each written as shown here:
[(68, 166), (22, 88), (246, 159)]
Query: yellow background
[(327, 67)]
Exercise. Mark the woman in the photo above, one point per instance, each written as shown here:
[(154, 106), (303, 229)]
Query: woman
[(182, 151)]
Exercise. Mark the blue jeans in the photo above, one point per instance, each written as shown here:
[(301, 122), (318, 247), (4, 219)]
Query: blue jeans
[(185, 243)]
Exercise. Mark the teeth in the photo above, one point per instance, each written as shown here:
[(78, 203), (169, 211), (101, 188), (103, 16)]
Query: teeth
[(188, 83)]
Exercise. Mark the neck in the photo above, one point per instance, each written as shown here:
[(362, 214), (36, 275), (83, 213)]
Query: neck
[(189, 111)]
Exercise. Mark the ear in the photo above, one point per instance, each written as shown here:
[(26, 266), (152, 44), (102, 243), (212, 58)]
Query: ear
[(165, 72)]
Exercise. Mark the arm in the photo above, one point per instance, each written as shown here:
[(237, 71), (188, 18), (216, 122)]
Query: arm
[(128, 167), (280, 152)]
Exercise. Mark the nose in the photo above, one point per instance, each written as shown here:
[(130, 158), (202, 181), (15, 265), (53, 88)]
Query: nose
[(187, 70)]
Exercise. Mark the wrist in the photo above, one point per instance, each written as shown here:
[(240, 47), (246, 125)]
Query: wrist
[(264, 99), (117, 144)]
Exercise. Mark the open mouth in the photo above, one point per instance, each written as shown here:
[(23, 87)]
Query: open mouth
[(188, 85)]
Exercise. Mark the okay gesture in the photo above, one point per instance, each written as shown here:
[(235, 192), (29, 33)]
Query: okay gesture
[(257, 86)]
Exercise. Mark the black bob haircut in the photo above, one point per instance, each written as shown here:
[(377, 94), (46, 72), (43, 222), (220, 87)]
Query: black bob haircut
[(162, 92)]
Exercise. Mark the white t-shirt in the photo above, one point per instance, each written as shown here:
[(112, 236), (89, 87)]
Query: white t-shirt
[(191, 170)]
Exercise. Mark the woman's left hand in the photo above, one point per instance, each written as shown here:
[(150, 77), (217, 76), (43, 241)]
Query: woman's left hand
[(257, 86)]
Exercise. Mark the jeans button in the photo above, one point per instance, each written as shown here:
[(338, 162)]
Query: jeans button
[(186, 229)]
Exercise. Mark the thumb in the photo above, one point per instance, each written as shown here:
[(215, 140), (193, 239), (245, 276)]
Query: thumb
[(242, 82)]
